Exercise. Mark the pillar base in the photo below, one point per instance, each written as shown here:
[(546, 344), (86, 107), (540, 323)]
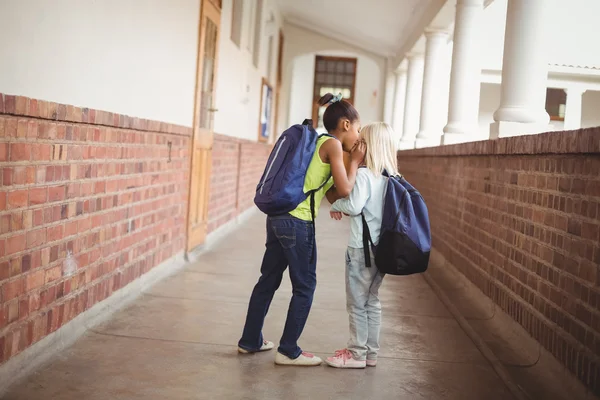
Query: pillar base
[(456, 138), (428, 142), (406, 145), (504, 129)]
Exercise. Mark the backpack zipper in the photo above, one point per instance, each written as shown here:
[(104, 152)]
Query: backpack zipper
[(262, 184)]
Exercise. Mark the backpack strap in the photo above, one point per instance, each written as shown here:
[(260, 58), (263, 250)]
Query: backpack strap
[(311, 194), (366, 241)]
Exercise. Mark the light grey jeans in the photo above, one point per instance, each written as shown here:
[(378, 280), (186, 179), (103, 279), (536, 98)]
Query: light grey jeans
[(363, 305)]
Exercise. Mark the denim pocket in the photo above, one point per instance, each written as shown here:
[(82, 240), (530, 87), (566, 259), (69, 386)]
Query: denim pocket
[(286, 236)]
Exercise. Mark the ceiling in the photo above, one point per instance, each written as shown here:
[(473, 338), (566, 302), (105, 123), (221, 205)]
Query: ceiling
[(380, 26)]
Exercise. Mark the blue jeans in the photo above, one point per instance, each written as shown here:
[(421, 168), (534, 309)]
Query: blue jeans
[(290, 242)]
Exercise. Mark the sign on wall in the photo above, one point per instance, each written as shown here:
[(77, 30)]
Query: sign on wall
[(266, 102)]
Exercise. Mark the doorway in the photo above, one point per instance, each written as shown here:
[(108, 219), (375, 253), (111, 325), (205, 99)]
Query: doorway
[(204, 109), (332, 75)]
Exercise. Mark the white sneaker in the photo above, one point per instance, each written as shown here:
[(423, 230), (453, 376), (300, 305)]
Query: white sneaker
[(265, 347), (304, 360), (343, 359)]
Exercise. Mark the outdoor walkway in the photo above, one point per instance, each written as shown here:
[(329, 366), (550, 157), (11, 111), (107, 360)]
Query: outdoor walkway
[(178, 341)]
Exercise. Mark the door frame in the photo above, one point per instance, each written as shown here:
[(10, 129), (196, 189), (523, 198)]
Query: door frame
[(315, 104), (279, 79), (208, 9)]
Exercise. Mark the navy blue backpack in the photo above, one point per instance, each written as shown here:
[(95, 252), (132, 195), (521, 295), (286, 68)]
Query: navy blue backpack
[(405, 240), (281, 187)]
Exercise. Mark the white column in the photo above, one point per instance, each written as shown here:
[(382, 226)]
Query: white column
[(388, 105), (573, 107), (524, 71), (432, 113), (390, 90), (465, 80), (412, 103), (399, 101)]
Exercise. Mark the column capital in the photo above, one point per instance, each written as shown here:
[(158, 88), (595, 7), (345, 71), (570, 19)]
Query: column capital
[(470, 3), (400, 71), (414, 55), (436, 33)]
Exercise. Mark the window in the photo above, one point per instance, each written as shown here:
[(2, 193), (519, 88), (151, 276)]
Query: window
[(250, 23), (257, 32), (556, 101), (332, 75), (237, 19), (270, 59)]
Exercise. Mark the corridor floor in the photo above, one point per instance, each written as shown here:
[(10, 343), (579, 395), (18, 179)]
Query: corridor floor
[(178, 341)]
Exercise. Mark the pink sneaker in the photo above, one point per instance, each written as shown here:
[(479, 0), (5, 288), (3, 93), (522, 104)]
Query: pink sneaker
[(343, 359), (371, 363)]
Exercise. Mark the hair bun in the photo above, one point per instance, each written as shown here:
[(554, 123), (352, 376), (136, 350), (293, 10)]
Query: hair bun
[(326, 99)]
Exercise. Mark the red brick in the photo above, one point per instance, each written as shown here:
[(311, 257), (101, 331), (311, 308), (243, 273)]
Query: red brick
[(70, 229), (590, 231), (5, 224), (12, 311), (10, 104), (55, 233), (36, 238), (56, 193), (21, 105), (34, 280), (40, 152), (47, 296), (53, 274), (15, 244), (12, 289), (20, 152), (17, 199), (14, 176), (3, 150), (4, 270), (38, 196)]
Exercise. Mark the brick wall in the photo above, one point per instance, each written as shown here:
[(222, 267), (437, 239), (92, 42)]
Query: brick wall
[(100, 186), (236, 169), (520, 217), (104, 190)]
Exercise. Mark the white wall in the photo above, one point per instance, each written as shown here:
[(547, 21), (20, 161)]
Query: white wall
[(572, 32), (126, 56), (368, 81), (590, 112), (301, 46), (238, 80)]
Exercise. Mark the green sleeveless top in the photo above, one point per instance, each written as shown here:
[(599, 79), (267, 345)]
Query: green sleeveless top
[(316, 174)]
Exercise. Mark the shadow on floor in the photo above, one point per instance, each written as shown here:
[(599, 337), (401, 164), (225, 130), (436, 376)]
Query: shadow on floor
[(178, 341)]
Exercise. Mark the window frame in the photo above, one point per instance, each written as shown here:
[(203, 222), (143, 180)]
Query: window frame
[(316, 97)]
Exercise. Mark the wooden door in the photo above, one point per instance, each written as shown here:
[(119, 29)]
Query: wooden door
[(201, 155), (279, 81), (334, 75)]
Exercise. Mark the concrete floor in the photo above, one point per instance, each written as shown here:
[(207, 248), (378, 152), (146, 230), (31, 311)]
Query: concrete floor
[(178, 341)]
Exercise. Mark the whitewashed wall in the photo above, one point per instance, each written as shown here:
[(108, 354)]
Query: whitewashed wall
[(238, 80), (301, 46), (124, 56)]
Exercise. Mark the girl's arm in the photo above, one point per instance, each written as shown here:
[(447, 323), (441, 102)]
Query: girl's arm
[(356, 201), (342, 179)]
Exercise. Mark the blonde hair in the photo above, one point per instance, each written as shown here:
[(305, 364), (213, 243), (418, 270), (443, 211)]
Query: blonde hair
[(381, 148)]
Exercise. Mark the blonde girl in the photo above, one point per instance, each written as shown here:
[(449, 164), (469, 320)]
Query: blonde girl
[(362, 283)]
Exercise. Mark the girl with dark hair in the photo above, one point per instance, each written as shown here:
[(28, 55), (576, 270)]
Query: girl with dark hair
[(291, 237)]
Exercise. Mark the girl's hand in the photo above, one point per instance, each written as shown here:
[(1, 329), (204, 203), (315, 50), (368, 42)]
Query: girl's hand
[(336, 215), (357, 154)]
